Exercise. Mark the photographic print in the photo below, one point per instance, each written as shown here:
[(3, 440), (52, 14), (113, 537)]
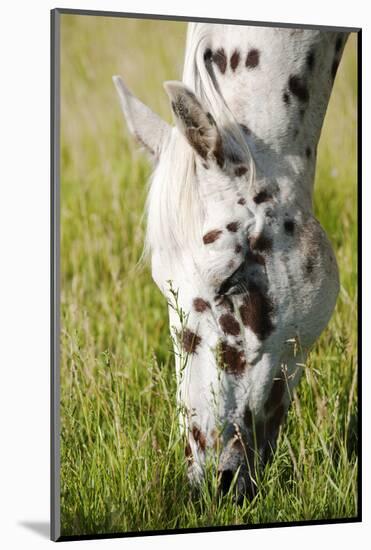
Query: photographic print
[(205, 338)]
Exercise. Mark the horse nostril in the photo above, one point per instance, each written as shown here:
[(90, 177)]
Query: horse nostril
[(225, 481)]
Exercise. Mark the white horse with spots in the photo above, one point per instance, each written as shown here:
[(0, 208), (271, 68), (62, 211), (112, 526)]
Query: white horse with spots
[(230, 224)]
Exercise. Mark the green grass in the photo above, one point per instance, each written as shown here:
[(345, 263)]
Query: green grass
[(123, 465)]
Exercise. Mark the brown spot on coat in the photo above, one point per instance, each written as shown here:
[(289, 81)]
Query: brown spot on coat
[(188, 453), (229, 324), (233, 227), (238, 248), (286, 98), (299, 88), (240, 171), (241, 201), (255, 258), (260, 242), (220, 59), (252, 59), (262, 196), (200, 305), (308, 152), (212, 236), (256, 311), (199, 437), (190, 341), (233, 360), (235, 59)]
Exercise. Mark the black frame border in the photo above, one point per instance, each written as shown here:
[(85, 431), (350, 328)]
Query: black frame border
[(55, 527)]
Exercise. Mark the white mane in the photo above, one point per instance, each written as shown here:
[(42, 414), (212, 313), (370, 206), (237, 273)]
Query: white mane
[(174, 209)]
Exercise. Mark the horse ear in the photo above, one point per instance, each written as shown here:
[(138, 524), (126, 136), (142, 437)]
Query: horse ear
[(147, 127), (195, 123)]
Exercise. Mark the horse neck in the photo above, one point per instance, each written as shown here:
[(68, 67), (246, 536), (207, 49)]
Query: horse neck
[(277, 84)]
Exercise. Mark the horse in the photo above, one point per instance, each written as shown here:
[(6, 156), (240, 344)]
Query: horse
[(250, 277)]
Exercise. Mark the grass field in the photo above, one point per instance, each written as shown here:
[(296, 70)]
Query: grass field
[(123, 465)]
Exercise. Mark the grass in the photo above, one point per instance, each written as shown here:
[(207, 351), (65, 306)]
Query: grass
[(123, 465)]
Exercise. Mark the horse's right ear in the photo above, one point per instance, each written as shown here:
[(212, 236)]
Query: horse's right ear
[(147, 127), (196, 124)]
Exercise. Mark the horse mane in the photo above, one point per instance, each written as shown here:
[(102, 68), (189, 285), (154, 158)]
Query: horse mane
[(174, 209)]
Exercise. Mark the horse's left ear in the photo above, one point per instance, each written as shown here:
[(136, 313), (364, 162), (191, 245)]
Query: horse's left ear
[(195, 123), (147, 127)]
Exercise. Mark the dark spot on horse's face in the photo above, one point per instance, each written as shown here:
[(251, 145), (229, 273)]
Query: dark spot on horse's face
[(233, 360), (308, 152), (260, 242), (238, 248), (298, 88), (235, 59), (190, 341), (334, 68), (286, 98), (220, 59), (254, 258), (241, 201), (199, 437), (289, 226), (262, 196), (252, 59), (338, 44), (212, 236), (201, 305), (310, 60), (206, 166), (188, 453), (233, 227), (225, 302), (240, 171), (256, 311), (276, 395), (229, 324)]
